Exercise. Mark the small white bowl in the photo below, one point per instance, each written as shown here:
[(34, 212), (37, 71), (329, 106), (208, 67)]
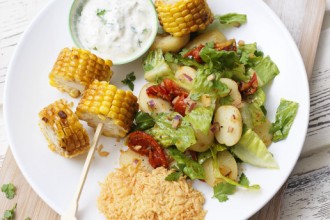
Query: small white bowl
[(75, 13)]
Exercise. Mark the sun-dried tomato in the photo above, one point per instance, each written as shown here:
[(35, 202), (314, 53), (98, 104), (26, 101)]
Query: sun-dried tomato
[(144, 144), (174, 88), (249, 88), (194, 53), (180, 106), (169, 90), (159, 91)]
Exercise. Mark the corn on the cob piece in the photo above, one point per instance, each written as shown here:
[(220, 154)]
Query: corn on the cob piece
[(76, 68), (181, 17), (62, 129), (104, 103)]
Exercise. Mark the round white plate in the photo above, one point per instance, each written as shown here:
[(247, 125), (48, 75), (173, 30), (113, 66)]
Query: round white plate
[(55, 178)]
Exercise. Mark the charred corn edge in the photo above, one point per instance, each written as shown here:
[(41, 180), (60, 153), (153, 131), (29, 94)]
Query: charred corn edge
[(68, 132), (59, 150), (80, 67)]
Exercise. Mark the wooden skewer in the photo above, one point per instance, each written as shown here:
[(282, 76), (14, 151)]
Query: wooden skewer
[(71, 213)]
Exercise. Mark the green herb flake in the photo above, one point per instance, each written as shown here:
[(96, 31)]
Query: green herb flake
[(243, 180), (9, 189), (222, 190), (100, 12), (28, 218), (130, 78), (175, 176), (143, 121), (9, 214)]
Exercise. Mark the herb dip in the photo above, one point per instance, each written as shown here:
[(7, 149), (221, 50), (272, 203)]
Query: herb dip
[(119, 30)]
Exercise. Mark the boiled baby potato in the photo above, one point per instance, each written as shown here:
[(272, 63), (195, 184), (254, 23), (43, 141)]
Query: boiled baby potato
[(129, 157), (227, 167), (208, 36), (169, 43), (185, 76), (230, 121), (203, 142), (234, 92), (152, 105)]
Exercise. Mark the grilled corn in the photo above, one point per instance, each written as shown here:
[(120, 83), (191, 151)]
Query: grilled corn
[(181, 17), (104, 103), (76, 68), (62, 129)]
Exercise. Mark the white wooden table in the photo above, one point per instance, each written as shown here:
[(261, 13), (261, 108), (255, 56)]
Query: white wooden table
[(308, 193)]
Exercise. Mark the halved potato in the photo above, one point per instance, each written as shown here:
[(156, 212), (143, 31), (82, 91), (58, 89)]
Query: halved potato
[(203, 142), (234, 92), (227, 166), (231, 125), (185, 76), (152, 105), (208, 36), (130, 157), (169, 43)]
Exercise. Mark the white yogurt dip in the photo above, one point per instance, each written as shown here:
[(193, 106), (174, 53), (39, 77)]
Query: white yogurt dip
[(119, 30)]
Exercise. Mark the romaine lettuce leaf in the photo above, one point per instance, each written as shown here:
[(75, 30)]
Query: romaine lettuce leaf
[(252, 115), (200, 118), (182, 137), (266, 71), (190, 167), (232, 19), (179, 59), (237, 73), (155, 67), (285, 114), (252, 150), (214, 149), (249, 55), (259, 97), (201, 85), (219, 60)]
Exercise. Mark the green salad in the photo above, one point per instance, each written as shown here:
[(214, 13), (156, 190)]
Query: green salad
[(205, 107)]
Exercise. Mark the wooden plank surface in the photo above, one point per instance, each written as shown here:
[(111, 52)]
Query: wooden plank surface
[(302, 18), (28, 202)]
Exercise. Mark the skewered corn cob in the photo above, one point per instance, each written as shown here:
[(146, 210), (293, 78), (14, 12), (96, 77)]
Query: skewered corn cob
[(104, 103), (62, 129), (181, 17), (76, 68)]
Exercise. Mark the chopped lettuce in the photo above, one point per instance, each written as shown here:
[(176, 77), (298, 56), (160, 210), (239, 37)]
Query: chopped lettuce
[(233, 19), (249, 55), (219, 60), (201, 85), (155, 66), (214, 149), (201, 118), (259, 97), (266, 71), (179, 59), (182, 137), (285, 114), (237, 73), (190, 167), (252, 115), (252, 150)]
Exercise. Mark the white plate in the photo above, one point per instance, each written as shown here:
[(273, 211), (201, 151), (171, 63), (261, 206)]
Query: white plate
[(55, 178)]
